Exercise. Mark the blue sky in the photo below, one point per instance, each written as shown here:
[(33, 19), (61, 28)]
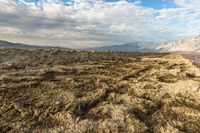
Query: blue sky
[(90, 23), (157, 4)]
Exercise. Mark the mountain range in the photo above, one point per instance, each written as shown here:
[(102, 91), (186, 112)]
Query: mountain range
[(20, 45), (136, 46), (191, 44)]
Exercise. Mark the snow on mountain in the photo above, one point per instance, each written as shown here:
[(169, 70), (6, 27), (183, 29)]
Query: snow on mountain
[(182, 45)]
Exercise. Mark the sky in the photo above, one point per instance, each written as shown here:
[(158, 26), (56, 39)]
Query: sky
[(93, 23)]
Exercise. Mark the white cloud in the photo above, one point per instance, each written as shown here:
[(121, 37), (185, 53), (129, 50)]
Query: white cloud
[(87, 23), (192, 4)]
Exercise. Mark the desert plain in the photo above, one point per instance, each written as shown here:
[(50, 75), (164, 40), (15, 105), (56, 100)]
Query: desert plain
[(55, 91)]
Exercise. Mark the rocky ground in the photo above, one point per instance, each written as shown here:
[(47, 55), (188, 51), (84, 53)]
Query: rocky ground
[(77, 92)]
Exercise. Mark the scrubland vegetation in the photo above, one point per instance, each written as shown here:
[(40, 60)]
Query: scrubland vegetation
[(103, 92)]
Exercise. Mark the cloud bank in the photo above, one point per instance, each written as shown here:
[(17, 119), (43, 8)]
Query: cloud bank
[(89, 23)]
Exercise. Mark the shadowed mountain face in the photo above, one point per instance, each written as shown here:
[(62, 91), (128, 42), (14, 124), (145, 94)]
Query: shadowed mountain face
[(19, 45), (65, 91)]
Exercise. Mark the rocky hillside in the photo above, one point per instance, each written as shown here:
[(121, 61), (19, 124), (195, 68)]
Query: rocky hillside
[(65, 91), (182, 45)]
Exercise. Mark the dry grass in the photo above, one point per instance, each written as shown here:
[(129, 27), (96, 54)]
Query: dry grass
[(66, 91)]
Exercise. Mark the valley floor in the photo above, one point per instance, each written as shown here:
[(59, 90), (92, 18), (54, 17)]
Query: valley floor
[(66, 91)]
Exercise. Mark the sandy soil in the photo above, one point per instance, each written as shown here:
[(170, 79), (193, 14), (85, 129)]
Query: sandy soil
[(77, 92)]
